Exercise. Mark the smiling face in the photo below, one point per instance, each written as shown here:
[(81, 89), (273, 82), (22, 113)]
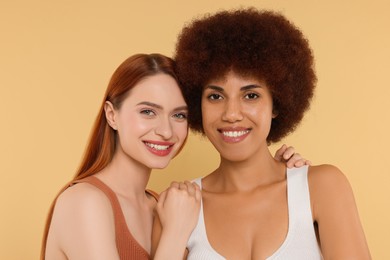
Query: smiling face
[(151, 122), (237, 114)]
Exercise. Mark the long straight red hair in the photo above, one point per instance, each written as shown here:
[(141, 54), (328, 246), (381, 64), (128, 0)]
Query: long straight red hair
[(102, 143)]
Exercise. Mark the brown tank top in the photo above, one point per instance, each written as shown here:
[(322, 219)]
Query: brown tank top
[(128, 247)]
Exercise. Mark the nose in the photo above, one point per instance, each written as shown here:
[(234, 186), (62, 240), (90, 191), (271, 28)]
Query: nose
[(164, 129), (232, 111)]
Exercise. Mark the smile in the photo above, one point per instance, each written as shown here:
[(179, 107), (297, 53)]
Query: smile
[(235, 133), (159, 148)]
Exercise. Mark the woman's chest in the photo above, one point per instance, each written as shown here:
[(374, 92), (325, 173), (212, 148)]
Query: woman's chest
[(246, 227)]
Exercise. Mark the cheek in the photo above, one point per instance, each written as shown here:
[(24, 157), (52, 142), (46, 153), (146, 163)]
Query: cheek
[(135, 124), (263, 115), (210, 113), (207, 120), (255, 111), (181, 131), (204, 110)]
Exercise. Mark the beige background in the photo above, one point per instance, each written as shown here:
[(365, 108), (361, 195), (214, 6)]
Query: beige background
[(56, 58)]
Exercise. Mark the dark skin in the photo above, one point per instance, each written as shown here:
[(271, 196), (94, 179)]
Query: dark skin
[(247, 192), (245, 199)]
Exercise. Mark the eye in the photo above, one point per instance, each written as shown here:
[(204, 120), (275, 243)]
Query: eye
[(147, 112), (181, 116), (214, 96), (251, 96)]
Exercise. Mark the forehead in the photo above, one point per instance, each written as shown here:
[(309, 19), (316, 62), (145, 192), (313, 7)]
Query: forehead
[(160, 88)]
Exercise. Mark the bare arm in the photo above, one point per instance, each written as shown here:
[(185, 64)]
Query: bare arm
[(166, 243), (82, 226), (334, 209), (178, 210)]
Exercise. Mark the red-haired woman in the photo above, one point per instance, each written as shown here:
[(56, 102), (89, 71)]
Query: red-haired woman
[(105, 212)]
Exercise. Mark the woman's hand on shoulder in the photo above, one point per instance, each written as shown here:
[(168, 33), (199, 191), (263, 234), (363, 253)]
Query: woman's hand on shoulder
[(290, 157), (335, 211), (83, 224), (178, 206), (178, 211)]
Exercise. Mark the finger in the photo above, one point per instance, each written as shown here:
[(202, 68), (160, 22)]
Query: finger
[(289, 152), (161, 199), (190, 188), (196, 186), (183, 186), (302, 162), (295, 160), (174, 184), (299, 163), (279, 152), (198, 193)]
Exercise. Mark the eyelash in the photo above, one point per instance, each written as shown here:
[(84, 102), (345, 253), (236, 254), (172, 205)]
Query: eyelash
[(250, 95), (214, 96), (181, 116), (151, 112), (148, 112)]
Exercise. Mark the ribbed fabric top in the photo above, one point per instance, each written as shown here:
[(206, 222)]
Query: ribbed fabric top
[(128, 247), (300, 242)]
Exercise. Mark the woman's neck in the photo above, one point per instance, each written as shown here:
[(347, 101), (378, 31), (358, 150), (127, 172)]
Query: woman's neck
[(246, 175), (126, 177)]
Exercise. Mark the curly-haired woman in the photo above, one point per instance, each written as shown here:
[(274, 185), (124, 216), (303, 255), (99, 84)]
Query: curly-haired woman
[(248, 77)]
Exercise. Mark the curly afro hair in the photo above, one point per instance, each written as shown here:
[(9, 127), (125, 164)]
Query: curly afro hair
[(259, 44)]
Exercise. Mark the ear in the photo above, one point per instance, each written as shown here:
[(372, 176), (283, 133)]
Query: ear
[(110, 113), (275, 113)]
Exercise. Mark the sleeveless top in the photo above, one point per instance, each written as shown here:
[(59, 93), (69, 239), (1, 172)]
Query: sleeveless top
[(300, 242), (128, 248)]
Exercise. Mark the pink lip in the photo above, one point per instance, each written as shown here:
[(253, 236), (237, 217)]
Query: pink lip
[(159, 152), (234, 134)]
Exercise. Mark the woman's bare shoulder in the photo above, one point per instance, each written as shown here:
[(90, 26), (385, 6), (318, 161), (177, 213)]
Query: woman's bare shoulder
[(329, 189), (83, 218), (82, 196), (326, 175), (335, 211)]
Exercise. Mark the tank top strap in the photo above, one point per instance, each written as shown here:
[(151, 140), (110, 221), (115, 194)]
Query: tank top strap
[(105, 189), (120, 221), (128, 247), (153, 194)]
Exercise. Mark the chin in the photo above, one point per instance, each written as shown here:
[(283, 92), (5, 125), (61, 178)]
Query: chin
[(234, 156), (159, 166)]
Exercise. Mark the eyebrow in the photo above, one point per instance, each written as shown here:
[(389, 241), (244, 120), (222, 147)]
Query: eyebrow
[(243, 88), (147, 103)]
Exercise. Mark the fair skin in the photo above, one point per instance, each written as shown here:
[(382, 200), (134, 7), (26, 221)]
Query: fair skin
[(151, 126), (247, 174), (245, 198)]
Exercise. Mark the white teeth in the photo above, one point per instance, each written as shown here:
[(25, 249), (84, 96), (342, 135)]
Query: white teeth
[(235, 133), (157, 146)]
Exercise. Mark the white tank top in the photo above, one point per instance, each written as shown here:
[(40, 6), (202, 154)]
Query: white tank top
[(300, 242)]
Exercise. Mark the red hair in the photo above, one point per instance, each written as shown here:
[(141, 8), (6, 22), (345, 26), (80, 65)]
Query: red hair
[(102, 143)]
